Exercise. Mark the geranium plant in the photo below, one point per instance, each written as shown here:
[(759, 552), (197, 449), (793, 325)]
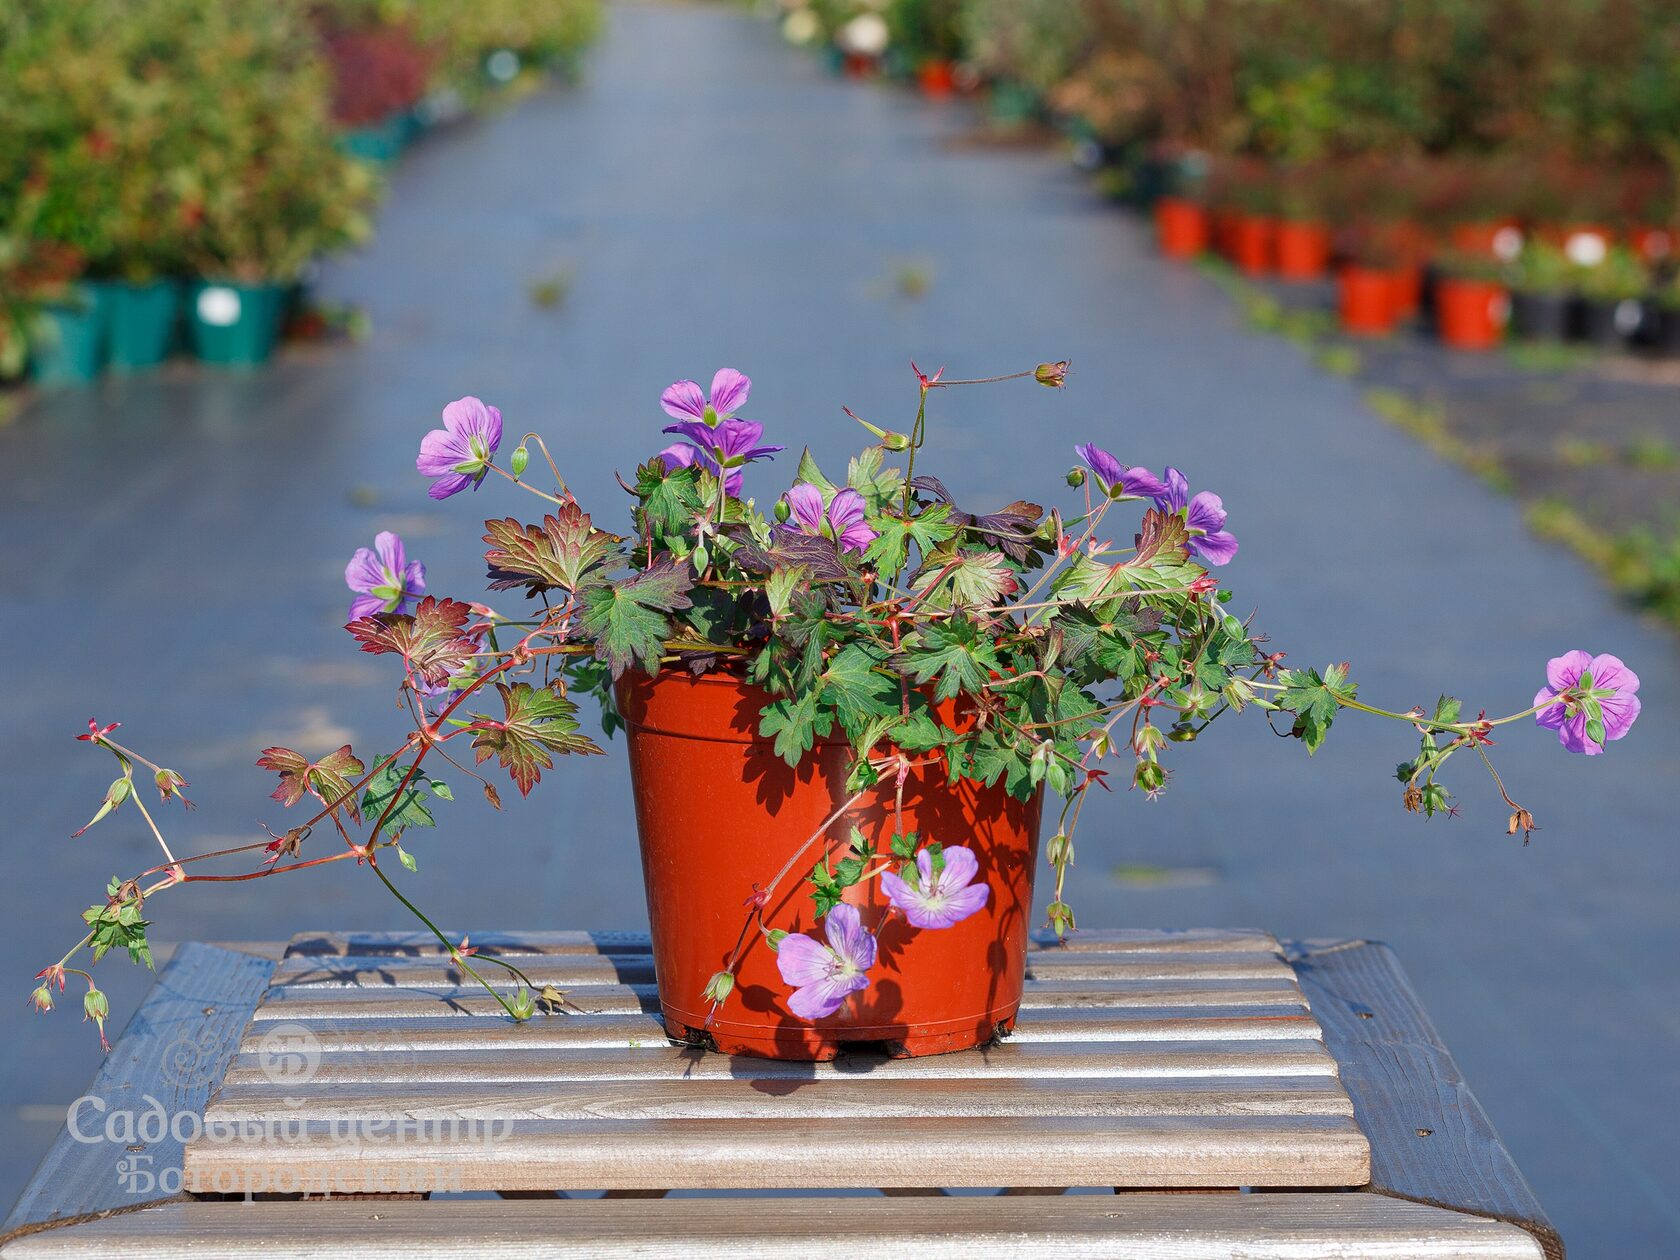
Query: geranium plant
[(1062, 650)]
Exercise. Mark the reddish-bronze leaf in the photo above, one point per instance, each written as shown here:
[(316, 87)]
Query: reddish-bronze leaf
[(1164, 537), (433, 641), (328, 779), (561, 552), (537, 721)]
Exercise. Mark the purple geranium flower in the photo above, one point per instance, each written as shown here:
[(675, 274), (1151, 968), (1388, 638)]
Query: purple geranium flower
[(1116, 478), (825, 975), (938, 898), (683, 400), (844, 520), (1600, 704), (384, 579), (1205, 514), (725, 450), (459, 454)]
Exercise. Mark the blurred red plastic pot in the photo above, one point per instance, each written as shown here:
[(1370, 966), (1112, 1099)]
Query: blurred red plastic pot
[(1303, 250), (1366, 300), (1181, 227), (1470, 314)]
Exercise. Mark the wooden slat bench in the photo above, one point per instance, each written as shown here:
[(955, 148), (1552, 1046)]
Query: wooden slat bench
[(361, 1064)]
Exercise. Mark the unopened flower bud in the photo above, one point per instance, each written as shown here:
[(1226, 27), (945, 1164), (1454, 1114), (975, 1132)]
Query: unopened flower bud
[(523, 1006), (1148, 740), (1060, 915), (1182, 735), (519, 459), (1076, 477), (782, 511), (1052, 374), (117, 793), (719, 987), (1060, 850), (1149, 776), (42, 999), (170, 784), (896, 442), (95, 1005)]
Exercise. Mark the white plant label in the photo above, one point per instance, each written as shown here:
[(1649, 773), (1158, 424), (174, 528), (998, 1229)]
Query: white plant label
[(1585, 249), (218, 306)]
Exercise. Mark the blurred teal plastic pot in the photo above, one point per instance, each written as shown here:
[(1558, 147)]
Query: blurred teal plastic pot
[(144, 322), (235, 325), (67, 340)]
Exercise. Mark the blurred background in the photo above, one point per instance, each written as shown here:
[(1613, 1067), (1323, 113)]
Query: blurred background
[(1396, 279)]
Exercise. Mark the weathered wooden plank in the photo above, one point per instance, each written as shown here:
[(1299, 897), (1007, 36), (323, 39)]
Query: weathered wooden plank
[(1144, 1151), (1096, 1227), (373, 971), (174, 1051), (1098, 1060), (353, 1002), (828, 1098), (456, 1031), (425, 945), (1431, 1141)]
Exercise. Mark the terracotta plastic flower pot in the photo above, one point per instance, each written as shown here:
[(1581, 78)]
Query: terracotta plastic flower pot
[(1469, 314), (719, 812), (1253, 244), (236, 325), (1406, 289), (1302, 250), (1366, 300), (67, 340), (936, 78), (1181, 227), (144, 320)]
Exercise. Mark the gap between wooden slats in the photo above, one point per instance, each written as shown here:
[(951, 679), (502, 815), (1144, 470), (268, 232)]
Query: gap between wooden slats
[(374, 972), (1138, 1151), (1118, 1060), (643, 1030), (1161, 1226), (424, 945), (794, 1100), (352, 1002)]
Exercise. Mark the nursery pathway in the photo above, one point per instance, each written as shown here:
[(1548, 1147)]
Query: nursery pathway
[(171, 551)]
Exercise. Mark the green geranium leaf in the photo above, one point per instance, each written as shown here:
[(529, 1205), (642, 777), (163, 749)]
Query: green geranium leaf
[(952, 651), (669, 499), (857, 691), (965, 580), (412, 810), (878, 485), (891, 548), (1314, 699), (794, 723), (809, 472), (628, 619)]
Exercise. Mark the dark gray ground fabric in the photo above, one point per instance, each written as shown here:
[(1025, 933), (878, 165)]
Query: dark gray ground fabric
[(171, 552)]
